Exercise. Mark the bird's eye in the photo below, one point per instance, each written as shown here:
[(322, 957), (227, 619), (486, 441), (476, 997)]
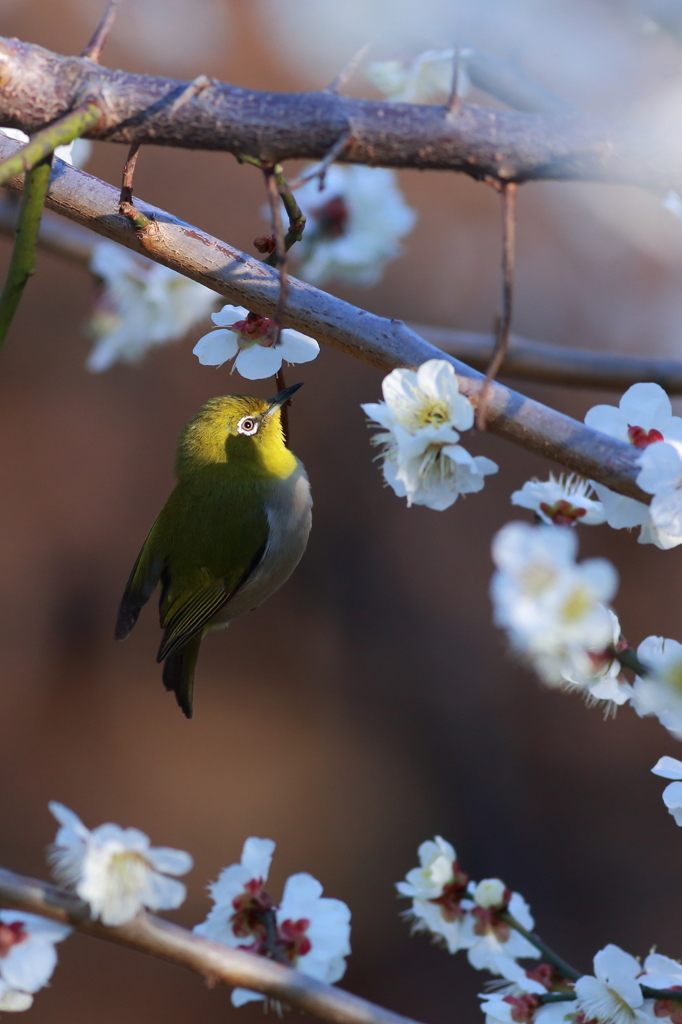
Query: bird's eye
[(247, 425)]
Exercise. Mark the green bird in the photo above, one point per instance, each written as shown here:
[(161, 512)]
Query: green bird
[(231, 533)]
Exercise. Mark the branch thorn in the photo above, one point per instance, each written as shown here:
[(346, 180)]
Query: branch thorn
[(347, 70), (194, 88), (93, 50)]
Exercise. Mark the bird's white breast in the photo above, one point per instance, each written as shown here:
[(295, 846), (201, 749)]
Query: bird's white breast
[(288, 508)]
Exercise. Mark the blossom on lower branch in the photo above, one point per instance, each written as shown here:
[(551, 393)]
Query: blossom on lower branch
[(307, 931), (422, 414), (613, 994), (27, 956), (554, 610), (464, 915), (115, 870), (249, 339)]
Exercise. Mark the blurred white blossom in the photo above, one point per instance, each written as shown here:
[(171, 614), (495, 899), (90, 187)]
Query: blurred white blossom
[(438, 889), (660, 691), (250, 338), (354, 225), (612, 995), (426, 78), (644, 417), (660, 971), (552, 608), (76, 153), (141, 305), (671, 768), (27, 956), (115, 870), (308, 931), (562, 501), (422, 414), (490, 940), (599, 673), (673, 203)]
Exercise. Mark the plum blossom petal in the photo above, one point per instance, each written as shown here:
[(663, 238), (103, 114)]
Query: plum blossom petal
[(612, 995), (660, 691), (141, 305), (250, 338), (562, 501), (427, 78), (660, 971), (216, 348), (115, 870), (237, 893), (354, 225)]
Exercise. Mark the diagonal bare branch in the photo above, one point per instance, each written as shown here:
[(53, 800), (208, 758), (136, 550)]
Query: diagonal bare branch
[(384, 343), (153, 935), (39, 87)]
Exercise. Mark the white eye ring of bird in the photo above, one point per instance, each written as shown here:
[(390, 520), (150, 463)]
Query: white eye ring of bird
[(248, 425)]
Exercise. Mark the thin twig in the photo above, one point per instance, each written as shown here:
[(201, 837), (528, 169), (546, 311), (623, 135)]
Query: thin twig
[(22, 263), (297, 219), (453, 101), (128, 173), (46, 141), (280, 252), (195, 88), (320, 169), (508, 196), (628, 659), (338, 82), (245, 281), (93, 51), (215, 962), (548, 954)]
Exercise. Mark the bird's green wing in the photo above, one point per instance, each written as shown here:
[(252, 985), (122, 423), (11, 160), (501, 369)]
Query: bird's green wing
[(213, 548), (141, 584)]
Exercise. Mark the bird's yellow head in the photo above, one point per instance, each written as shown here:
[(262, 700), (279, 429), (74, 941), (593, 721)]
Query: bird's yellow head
[(243, 431)]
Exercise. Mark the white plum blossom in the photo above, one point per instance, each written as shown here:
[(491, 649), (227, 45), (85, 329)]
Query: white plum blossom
[(141, 305), (426, 78), (643, 418), (661, 475), (251, 339), (552, 608), (76, 153), (660, 971), (599, 673), (438, 890), (310, 932), (660, 691), (27, 956), (115, 870), (612, 995), (671, 768), (353, 225), (422, 415), (489, 939), (561, 502)]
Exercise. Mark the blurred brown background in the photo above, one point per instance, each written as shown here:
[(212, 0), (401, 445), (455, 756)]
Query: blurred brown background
[(370, 704)]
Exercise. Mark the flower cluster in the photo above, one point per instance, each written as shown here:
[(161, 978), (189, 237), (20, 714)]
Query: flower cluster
[(644, 419), (428, 77), (422, 415), (140, 305), (463, 915), (555, 610), (307, 930), (354, 225), (251, 339)]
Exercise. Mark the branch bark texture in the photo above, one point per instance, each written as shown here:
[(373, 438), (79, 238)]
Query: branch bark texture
[(38, 87), (216, 963), (383, 343)]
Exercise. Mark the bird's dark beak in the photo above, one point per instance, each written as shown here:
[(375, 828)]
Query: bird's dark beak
[(283, 396)]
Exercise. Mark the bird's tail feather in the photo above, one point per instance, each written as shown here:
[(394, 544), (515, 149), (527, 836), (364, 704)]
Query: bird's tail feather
[(178, 673)]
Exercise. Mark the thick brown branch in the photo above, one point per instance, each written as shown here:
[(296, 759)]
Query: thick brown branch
[(384, 343), (525, 360), (38, 86), (149, 934)]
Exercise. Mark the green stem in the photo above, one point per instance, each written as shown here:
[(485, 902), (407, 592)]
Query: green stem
[(629, 659), (294, 213), (558, 997), (22, 263), (566, 970), (46, 141)]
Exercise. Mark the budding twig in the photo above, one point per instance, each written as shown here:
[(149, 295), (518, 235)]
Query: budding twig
[(508, 194), (297, 219), (46, 141), (561, 965), (22, 263), (93, 50), (128, 173), (280, 252)]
